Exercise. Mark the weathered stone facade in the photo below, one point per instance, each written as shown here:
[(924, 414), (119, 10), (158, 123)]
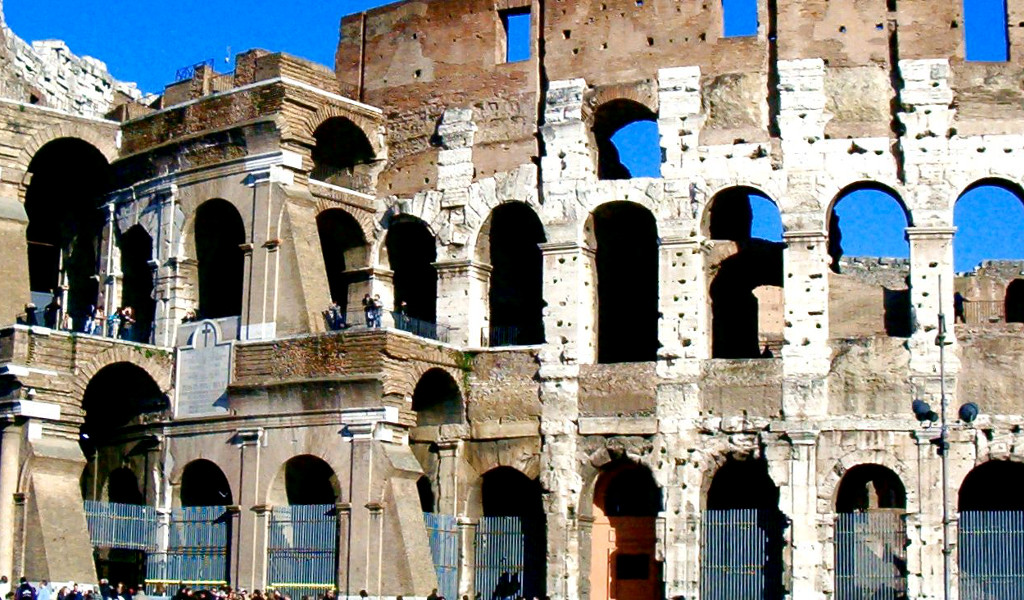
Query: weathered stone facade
[(423, 129)]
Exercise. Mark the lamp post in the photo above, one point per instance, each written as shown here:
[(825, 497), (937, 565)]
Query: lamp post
[(924, 413)]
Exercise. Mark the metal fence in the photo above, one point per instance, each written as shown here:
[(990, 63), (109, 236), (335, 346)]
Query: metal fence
[(359, 319), (125, 526), (978, 312), (198, 549), (303, 549), (510, 335), (991, 555), (444, 549), (500, 557), (871, 556), (738, 561)]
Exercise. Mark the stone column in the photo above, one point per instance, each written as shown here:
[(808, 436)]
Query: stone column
[(344, 545), (247, 291), (683, 327), (798, 500), (931, 257), (806, 358), (448, 500), (679, 117), (261, 536), (245, 546), (462, 302), (924, 553), (10, 463), (570, 289), (467, 556)]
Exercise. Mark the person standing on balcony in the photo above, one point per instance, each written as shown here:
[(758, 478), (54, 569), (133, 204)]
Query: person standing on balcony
[(959, 312), (127, 320)]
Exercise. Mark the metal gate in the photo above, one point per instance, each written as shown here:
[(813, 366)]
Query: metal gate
[(871, 556), (198, 549), (124, 526), (991, 555), (444, 549), (500, 557), (740, 555), (303, 549)]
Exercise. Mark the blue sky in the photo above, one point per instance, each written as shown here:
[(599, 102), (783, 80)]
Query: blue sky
[(148, 42)]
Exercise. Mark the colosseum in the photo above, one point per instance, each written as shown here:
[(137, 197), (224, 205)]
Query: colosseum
[(409, 324)]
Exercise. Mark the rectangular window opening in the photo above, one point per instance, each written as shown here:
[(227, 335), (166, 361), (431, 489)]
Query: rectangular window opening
[(516, 24), (632, 566), (985, 31), (739, 18)]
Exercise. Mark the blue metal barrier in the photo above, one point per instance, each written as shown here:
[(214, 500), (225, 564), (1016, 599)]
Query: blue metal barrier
[(444, 549), (991, 555)]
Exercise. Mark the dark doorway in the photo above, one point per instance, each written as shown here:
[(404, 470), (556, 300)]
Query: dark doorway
[(341, 150), (426, 493), (310, 480), (506, 492), (411, 253), (991, 533), (118, 395), (64, 206), (203, 483), (123, 487), (627, 282), (219, 236), (345, 252), (510, 242), (437, 400), (137, 282), (1014, 301)]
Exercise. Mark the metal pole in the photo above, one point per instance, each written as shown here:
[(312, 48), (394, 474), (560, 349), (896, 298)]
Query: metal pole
[(947, 551)]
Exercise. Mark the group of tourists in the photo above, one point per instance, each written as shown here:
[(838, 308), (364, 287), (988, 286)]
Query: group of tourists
[(373, 310), (72, 591), (118, 324)]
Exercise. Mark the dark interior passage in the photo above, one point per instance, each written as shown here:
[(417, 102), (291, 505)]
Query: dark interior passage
[(1014, 301), (310, 480), (627, 282), (506, 492), (751, 262), (516, 290), (436, 399), (426, 494), (123, 487), (341, 147), (411, 252), (870, 487), (63, 202), (219, 235), (137, 282), (985, 487), (344, 249), (117, 395), (203, 483), (611, 118)]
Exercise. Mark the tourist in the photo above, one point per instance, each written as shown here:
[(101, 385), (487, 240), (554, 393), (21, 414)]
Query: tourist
[(25, 591), (959, 310), (378, 306), (5, 586), (335, 317), (45, 592), (51, 314), (127, 316), (74, 593)]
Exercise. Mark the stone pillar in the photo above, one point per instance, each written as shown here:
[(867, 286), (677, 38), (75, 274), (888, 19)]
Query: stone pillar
[(806, 358), (10, 464), (448, 500), (462, 302), (261, 536), (931, 257), (679, 117), (559, 475), (259, 298), (798, 500), (247, 291), (683, 327), (683, 505), (246, 546), (344, 544), (570, 289), (467, 556), (924, 552)]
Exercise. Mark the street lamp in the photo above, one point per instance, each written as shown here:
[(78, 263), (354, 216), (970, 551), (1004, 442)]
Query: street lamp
[(926, 416)]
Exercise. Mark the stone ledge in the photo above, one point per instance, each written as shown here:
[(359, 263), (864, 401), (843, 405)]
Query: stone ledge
[(618, 425)]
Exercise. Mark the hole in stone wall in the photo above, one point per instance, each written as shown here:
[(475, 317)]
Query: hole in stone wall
[(508, 493), (515, 23), (203, 483), (745, 270), (628, 143), (343, 155), (739, 18), (985, 31), (137, 282), (411, 252), (627, 282), (345, 253), (219, 232), (437, 400), (426, 494)]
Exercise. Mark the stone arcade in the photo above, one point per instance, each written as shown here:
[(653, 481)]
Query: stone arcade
[(615, 365)]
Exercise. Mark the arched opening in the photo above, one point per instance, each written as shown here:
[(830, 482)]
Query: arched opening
[(627, 139), (991, 531), (137, 282), (302, 546), (117, 395), (426, 494), (437, 399), (511, 537), (742, 533), (411, 253), (745, 271), (623, 563), (1013, 302), (870, 534), (345, 254), (510, 242), (65, 225), (343, 155), (989, 220), (203, 484), (869, 287), (123, 487), (219, 236), (626, 239)]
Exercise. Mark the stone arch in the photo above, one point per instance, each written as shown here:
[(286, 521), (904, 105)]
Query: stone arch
[(373, 130), (890, 188), (608, 119), (346, 255), (121, 485), (890, 488), (601, 459), (722, 191), (304, 479), (409, 249), (958, 472), (828, 483), (1006, 182), (107, 146), (437, 399), (157, 363), (216, 490), (403, 384), (646, 96), (361, 216)]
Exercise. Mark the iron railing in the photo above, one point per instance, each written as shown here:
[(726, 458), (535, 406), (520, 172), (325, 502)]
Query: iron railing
[(124, 526), (198, 549), (738, 560), (444, 549), (188, 72), (360, 319), (500, 557), (497, 336), (303, 549), (871, 556), (991, 555)]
